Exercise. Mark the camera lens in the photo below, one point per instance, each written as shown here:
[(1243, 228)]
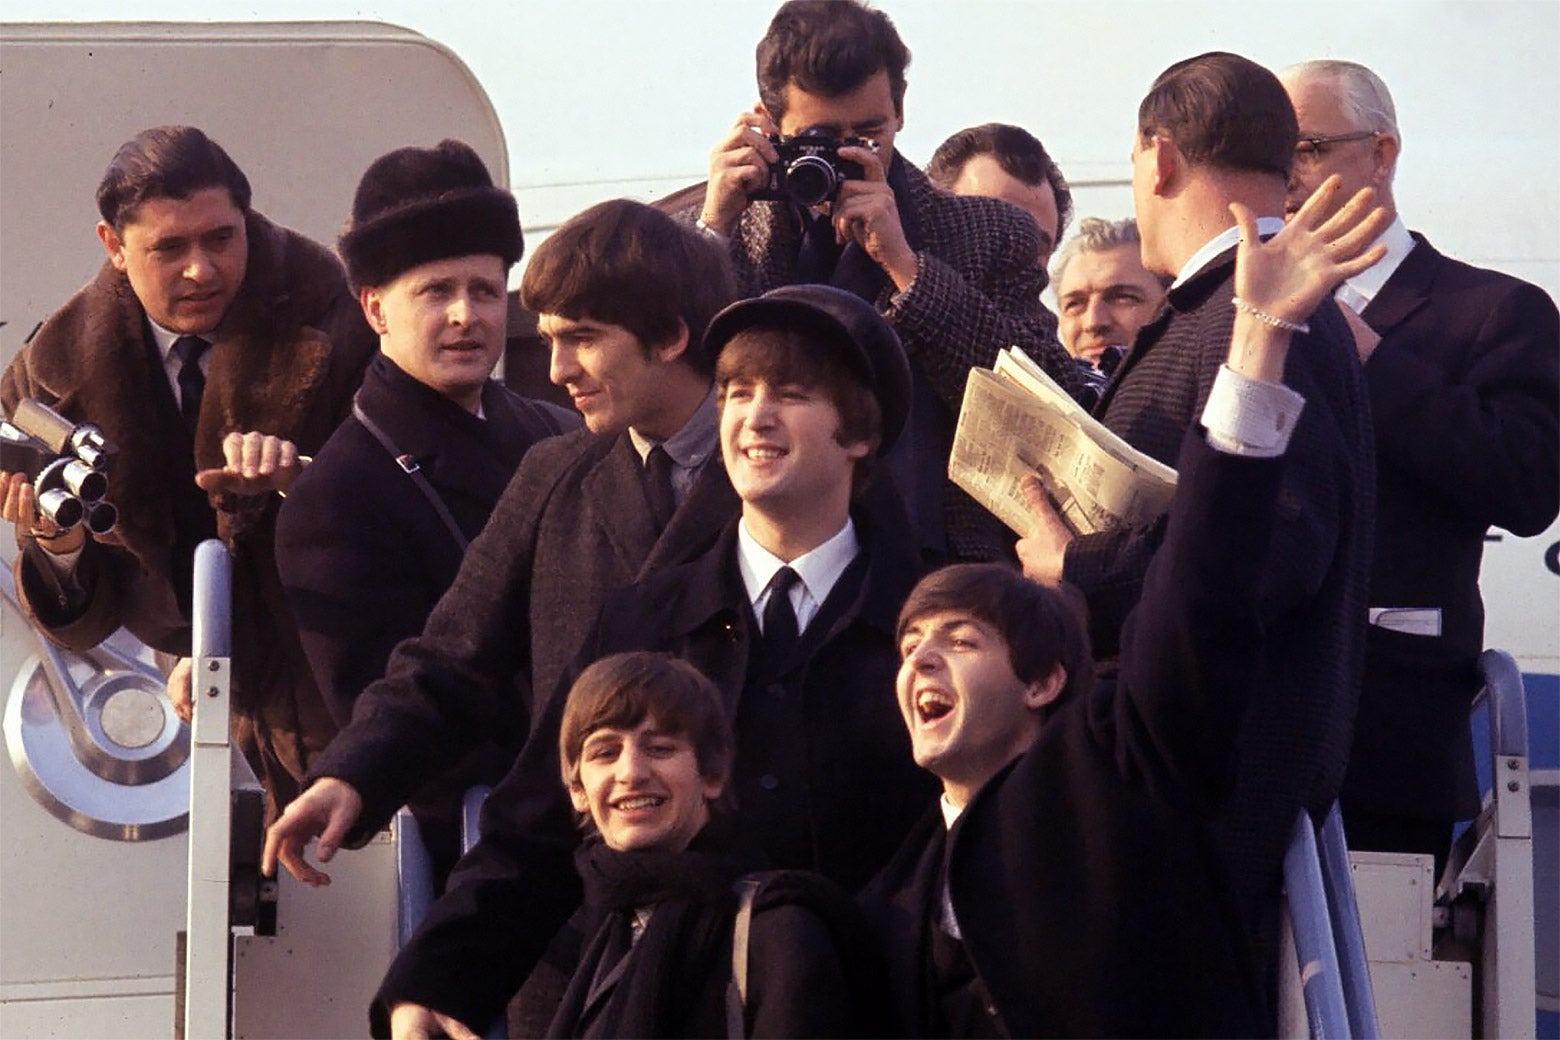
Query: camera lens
[(61, 507), (810, 180), (101, 518), (85, 483)]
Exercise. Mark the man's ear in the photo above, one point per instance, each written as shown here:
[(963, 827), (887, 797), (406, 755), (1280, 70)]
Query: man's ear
[(1167, 162), (373, 304), (714, 787), (762, 109), (1045, 690), (674, 347), (112, 243), (1385, 155), (577, 796)]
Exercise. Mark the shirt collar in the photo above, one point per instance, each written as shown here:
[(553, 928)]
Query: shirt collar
[(819, 568), (950, 812), (1358, 291), (692, 444), (1221, 242), (164, 338)]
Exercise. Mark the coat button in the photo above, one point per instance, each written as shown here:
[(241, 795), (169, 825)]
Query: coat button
[(769, 781)]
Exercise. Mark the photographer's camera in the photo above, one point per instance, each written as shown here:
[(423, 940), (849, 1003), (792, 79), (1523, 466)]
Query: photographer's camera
[(809, 169)]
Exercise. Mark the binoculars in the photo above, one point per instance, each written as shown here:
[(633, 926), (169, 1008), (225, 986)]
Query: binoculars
[(67, 463)]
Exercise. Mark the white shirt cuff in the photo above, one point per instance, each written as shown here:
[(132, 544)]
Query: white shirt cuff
[(1250, 417)]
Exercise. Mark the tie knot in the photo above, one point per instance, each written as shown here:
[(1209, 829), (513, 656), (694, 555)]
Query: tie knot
[(189, 348), (784, 581)]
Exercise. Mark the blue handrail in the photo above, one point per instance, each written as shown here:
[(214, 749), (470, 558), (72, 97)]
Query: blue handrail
[(1348, 935), (1326, 1010)]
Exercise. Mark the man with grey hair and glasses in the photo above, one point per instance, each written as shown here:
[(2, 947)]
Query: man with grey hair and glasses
[(1461, 370)]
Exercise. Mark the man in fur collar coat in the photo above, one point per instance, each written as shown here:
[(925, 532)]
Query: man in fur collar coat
[(213, 349)]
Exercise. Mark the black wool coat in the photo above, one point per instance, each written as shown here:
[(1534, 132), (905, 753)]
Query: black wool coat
[(1294, 743), (810, 972), (364, 555), (847, 756), (570, 528), (1086, 878), (1464, 389)]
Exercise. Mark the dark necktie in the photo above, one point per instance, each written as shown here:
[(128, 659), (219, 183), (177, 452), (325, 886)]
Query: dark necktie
[(819, 253), (657, 477), (780, 629), (192, 381)]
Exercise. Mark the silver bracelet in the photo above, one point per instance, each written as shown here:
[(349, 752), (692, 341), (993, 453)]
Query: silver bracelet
[(1270, 319), (709, 232)]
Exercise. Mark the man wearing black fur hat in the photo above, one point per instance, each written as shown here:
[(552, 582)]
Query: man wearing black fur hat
[(212, 349), (367, 544)]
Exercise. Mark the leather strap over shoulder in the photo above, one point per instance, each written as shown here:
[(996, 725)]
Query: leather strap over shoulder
[(736, 993), (410, 468)]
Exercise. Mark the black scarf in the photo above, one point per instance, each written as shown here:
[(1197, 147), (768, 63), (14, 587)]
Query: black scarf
[(673, 981)]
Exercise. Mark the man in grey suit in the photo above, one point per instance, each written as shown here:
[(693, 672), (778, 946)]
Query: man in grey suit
[(624, 294)]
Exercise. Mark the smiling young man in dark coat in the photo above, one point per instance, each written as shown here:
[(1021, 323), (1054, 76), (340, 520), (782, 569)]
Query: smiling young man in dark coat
[(373, 532), (1071, 884), (791, 613), (624, 294)]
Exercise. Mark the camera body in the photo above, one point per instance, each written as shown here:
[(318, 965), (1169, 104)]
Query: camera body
[(809, 169), (67, 463)]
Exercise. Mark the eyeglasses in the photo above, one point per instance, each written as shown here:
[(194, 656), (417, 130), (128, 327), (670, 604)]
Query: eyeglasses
[(1311, 150)]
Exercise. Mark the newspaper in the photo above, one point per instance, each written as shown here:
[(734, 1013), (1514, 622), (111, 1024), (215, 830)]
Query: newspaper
[(1016, 420)]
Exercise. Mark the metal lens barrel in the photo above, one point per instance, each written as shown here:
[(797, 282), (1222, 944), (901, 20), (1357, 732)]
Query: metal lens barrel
[(811, 180)]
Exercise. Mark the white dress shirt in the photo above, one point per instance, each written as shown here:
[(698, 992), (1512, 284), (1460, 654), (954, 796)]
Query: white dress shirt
[(818, 569)]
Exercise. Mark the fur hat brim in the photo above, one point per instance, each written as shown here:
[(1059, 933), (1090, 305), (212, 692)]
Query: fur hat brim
[(463, 222)]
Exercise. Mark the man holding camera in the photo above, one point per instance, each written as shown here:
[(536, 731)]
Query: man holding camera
[(211, 349), (955, 277)]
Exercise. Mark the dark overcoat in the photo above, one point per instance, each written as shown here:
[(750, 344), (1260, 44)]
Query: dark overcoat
[(1295, 741), (1086, 879), (285, 361), (846, 753), (1464, 391), (364, 554), (570, 528)]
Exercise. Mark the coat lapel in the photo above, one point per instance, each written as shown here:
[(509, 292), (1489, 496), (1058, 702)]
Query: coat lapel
[(1406, 291), (711, 593), (613, 498), (463, 457), (710, 506)]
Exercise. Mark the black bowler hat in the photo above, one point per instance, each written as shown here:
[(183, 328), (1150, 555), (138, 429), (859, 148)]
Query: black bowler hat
[(416, 205), (872, 347)]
